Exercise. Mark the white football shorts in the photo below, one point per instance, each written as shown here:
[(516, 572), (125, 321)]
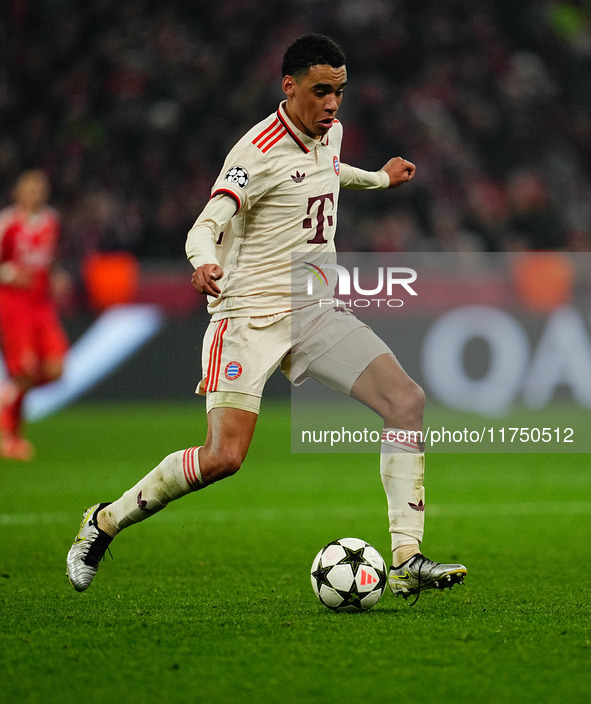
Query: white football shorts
[(240, 354)]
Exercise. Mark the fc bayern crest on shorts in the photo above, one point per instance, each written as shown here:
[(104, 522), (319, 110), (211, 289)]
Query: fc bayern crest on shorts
[(237, 175), (337, 166), (233, 370)]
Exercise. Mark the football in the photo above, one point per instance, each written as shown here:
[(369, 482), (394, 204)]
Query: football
[(348, 575)]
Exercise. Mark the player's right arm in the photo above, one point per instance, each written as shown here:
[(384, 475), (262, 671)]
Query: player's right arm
[(241, 182), (11, 273), (201, 241)]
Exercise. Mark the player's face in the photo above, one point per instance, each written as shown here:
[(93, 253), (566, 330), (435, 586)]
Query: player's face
[(32, 191), (313, 99)]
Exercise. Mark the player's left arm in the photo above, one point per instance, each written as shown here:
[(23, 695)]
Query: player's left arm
[(60, 280), (395, 172), (399, 171), (61, 283)]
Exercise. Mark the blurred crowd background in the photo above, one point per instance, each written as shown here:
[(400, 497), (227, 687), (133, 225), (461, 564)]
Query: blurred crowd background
[(132, 106)]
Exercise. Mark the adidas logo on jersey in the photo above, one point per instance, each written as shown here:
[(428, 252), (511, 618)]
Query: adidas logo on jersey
[(298, 178)]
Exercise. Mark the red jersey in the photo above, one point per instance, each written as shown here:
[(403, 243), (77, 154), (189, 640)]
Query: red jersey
[(30, 241)]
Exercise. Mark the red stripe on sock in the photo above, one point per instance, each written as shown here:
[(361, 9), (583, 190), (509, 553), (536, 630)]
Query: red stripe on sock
[(388, 440), (185, 467), (193, 473), (189, 467)]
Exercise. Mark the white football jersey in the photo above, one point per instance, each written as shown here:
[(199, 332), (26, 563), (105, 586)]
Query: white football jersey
[(286, 189)]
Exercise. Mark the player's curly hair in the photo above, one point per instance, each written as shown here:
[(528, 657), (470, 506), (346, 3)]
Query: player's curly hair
[(309, 50)]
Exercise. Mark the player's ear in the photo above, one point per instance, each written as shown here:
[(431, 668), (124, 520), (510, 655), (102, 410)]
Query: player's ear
[(288, 85)]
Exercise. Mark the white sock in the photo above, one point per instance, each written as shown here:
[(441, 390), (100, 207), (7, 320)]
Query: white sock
[(177, 475), (402, 468)]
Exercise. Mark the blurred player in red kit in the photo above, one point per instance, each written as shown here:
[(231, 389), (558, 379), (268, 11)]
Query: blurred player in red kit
[(32, 340)]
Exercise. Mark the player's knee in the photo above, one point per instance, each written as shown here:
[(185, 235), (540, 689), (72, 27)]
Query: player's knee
[(53, 375), (417, 399), (406, 409), (23, 380), (51, 371), (413, 402), (25, 372), (226, 464)]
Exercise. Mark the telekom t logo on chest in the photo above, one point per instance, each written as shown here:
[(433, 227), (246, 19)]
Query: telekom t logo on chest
[(386, 279), (320, 217)]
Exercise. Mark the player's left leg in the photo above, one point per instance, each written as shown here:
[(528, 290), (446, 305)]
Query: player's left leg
[(385, 387), (50, 369), (12, 444), (362, 366), (51, 344)]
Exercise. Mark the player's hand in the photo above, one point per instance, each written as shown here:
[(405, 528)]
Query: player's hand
[(15, 275), (399, 171), (61, 285), (204, 279)]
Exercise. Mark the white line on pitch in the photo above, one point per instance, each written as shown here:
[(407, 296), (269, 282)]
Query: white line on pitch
[(516, 509)]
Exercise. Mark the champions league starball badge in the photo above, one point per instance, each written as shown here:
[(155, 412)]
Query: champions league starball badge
[(237, 175)]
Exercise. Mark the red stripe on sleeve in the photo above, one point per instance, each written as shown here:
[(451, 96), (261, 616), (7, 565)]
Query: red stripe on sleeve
[(282, 134), (226, 192), (265, 131), (270, 135)]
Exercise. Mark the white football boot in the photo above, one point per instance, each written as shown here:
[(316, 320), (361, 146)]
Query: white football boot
[(87, 550), (419, 573)]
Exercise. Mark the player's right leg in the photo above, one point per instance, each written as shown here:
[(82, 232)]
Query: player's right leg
[(239, 355), (21, 364), (12, 444), (27, 374), (229, 434)]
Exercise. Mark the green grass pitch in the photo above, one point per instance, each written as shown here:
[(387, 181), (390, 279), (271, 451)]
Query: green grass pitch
[(210, 601)]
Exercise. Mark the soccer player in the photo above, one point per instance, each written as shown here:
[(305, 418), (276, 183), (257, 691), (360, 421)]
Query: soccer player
[(276, 195), (31, 337)]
